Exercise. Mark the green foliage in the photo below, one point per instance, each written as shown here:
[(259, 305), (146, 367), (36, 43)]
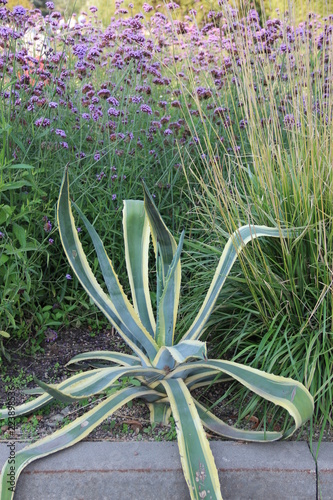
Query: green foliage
[(281, 310), (162, 372)]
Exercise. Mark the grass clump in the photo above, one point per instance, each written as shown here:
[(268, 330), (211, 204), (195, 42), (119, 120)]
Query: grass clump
[(276, 116), (229, 122)]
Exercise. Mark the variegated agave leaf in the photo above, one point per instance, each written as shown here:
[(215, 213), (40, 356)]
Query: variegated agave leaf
[(165, 373)]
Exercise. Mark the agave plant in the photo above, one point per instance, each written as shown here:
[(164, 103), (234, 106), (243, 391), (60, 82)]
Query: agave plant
[(167, 371)]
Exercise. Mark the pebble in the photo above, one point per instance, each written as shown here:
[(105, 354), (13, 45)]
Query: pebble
[(54, 420), (65, 411)]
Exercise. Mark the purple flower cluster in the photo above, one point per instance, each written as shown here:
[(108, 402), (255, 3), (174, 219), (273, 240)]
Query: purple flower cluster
[(112, 87)]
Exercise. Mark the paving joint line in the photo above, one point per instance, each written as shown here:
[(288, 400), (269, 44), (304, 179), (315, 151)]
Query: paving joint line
[(317, 472)]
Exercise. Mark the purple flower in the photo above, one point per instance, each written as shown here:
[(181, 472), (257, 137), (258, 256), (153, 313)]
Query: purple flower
[(100, 176), (97, 156), (78, 229), (289, 121), (1, 235), (93, 9), (203, 93), (147, 8), (146, 109), (42, 122), (19, 10), (112, 100), (113, 112), (47, 226), (63, 145), (87, 87), (167, 131), (114, 197), (172, 6), (53, 105), (85, 116), (175, 104), (136, 99), (49, 5), (68, 277), (80, 50), (80, 155), (60, 132), (51, 241), (104, 93)]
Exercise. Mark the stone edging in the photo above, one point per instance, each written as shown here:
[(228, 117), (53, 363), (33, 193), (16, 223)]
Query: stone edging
[(152, 471)]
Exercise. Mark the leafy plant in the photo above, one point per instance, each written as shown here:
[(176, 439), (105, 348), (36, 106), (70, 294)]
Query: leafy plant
[(2, 347), (167, 371)]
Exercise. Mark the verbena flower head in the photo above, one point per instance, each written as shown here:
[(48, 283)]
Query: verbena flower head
[(146, 109), (19, 11), (147, 8)]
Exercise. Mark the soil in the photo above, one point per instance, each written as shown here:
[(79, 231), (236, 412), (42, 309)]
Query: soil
[(131, 422)]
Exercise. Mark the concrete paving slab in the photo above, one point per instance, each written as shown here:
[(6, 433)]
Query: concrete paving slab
[(152, 471), (325, 471)]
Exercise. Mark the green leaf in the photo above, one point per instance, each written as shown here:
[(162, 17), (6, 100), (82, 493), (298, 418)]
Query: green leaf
[(159, 413), (20, 234), (136, 239), (5, 213), (110, 356), (160, 233), (196, 456), (180, 353), (235, 244), (70, 434), (116, 308), (98, 382), (285, 392), (14, 185), (20, 166), (165, 248), (3, 259), (204, 377), (167, 306), (42, 400), (215, 424)]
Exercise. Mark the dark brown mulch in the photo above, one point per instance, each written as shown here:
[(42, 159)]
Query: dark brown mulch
[(131, 422)]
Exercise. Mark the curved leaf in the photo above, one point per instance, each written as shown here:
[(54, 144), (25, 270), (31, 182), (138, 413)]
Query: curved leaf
[(44, 399), (216, 425), (205, 377), (167, 306), (110, 356), (196, 456), (136, 239), (118, 310), (167, 356), (70, 434), (99, 382), (167, 255), (159, 413), (285, 392), (234, 245)]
